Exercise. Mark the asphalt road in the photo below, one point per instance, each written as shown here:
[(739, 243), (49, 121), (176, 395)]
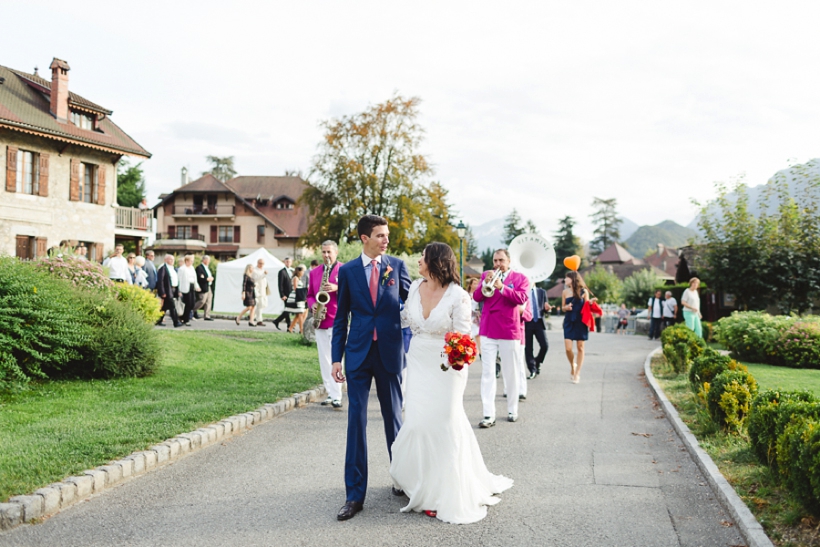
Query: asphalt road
[(594, 464)]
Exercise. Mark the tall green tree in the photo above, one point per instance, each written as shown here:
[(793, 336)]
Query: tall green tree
[(512, 227), (435, 220), (566, 244), (130, 184), (221, 168), (531, 228), (487, 258), (605, 285), (639, 287), (470, 243), (607, 224)]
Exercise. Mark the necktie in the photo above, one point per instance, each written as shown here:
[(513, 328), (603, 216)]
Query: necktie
[(535, 315), (374, 286)]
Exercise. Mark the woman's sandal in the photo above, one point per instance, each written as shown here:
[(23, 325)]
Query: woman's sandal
[(237, 320), (431, 514)]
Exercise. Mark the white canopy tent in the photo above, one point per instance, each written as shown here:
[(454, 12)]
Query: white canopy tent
[(228, 289)]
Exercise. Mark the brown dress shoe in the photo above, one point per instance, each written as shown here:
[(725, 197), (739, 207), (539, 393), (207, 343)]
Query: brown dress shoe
[(349, 510)]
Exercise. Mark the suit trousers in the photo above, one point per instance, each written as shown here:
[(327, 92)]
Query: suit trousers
[(324, 338), (508, 349), (388, 390), (533, 329), (203, 300), (654, 328)]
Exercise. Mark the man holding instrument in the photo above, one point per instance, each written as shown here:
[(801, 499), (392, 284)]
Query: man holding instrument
[(325, 279)]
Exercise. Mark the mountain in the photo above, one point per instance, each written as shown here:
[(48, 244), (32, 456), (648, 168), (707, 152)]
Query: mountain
[(668, 232), (489, 235), (627, 228)]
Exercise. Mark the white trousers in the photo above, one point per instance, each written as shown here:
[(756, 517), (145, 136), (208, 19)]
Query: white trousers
[(323, 343), (521, 367), (490, 348)]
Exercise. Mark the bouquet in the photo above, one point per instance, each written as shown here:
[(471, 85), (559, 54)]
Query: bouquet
[(459, 349)]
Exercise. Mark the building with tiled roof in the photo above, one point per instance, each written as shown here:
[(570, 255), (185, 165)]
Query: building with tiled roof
[(234, 218), (616, 254), (60, 153)]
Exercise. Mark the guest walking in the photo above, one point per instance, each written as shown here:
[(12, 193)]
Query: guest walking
[(623, 320), (296, 304), (285, 287), (260, 281), (670, 310), (248, 296), (140, 278), (655, 307), (205, 296), (167, 289), (150, 270), (535, 328), (691, 307), (574, 297), (188, 288)]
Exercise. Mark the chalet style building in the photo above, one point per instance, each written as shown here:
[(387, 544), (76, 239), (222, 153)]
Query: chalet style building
[(232, 219), (59, 184)]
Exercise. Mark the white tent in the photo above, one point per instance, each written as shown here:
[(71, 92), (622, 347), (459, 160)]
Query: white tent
[(228, 290)]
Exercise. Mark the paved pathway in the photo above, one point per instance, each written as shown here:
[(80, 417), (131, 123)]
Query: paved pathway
[(594, 464)]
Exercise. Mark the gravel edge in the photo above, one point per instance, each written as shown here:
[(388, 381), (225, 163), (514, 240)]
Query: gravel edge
[(747, 524), (58, 496)]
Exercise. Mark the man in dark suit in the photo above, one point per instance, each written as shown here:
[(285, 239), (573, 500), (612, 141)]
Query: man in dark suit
[(536, 329), (150, 270), (204, 297), (168, 289), (285, 286)]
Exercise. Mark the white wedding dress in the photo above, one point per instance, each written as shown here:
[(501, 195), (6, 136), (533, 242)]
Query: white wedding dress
[(436, 458)]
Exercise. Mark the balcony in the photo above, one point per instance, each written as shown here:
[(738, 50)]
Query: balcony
[(167, 235), (204, 210), (129, 218), (180, 242)]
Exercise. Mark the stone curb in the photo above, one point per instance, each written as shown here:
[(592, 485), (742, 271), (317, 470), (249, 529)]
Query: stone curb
[(747, 524), (56, 497)]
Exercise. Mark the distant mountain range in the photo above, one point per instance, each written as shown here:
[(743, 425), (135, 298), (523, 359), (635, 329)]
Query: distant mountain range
[(668, 232)]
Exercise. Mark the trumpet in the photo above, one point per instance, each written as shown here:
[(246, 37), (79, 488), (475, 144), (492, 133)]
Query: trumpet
[(322, 298), (488, 287)]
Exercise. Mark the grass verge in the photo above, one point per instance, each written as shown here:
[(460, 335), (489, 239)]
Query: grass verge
[(58, 429), (785, 520)]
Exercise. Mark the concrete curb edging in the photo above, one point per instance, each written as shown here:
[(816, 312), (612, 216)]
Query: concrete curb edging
[(747, 524), (56, 497)]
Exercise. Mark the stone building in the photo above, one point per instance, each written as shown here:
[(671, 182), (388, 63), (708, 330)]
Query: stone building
[(60, 152)]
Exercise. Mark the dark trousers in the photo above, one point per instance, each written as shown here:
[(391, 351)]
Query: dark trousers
[(286, 316), (169, 305), (667, 322), (655, 327), (189, 299), (388, 389), (535, 329)]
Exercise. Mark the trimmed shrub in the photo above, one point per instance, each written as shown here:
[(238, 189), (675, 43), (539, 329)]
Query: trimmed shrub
[(706, 367), (752, 336), (680, 346), (708, 329), (142, 301), (763, 419), (799, 345), (81, 273), (730, 397), (798, 459)]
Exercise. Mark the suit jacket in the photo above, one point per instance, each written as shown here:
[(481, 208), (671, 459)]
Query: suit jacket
[(501, 316), (285, 283), (315, 285), (203, 272), (164, 288), (541, 301), (355, 306), (150, 274)]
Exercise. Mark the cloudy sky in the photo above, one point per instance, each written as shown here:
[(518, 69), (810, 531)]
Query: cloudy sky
[(538, 105)]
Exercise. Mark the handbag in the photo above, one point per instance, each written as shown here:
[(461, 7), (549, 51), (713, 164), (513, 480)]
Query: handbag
[(267, 290), (179, 305)]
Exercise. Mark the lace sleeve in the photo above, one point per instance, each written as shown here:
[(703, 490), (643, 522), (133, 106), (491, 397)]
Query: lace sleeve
[(462, 313), (406, 316)]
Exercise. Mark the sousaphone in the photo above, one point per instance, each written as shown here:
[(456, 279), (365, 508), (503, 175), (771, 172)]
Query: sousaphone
[(533, 256)]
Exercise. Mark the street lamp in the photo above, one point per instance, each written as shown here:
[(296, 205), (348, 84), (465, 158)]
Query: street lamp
[(461, 230)]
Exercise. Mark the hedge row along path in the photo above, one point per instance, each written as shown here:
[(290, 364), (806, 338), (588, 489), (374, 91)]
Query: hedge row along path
[(594, 464)]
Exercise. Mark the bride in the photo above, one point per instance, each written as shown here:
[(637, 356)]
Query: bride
[(436, 458)]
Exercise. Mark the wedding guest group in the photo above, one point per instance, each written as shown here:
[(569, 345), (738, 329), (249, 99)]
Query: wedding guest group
[(150, 270), (285, 286), (118, 266), (323, 285), (205, 296)]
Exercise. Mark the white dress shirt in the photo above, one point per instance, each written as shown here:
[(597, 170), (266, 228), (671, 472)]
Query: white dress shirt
[(366, 260), (118, 269)]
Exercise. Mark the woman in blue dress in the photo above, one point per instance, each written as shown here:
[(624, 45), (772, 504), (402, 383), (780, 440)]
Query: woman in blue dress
[(572, 300)]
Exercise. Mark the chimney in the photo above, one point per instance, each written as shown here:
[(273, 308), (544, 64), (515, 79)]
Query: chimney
[(660, 249), (59, 89), (184, 176)]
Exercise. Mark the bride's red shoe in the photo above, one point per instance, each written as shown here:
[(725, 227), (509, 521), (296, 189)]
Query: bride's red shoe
[(431, 514)]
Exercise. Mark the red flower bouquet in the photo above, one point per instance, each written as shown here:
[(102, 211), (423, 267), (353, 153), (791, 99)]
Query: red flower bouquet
[(459, 349)]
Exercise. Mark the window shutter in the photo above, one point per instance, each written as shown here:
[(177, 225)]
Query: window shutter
[(11, 168), (41, 246), (74, 181), (214, 234), (194, 232), (99, 170), (236, 234), (44, 175), (172, 232), (99, 252)]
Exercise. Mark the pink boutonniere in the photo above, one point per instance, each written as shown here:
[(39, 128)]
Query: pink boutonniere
[(386, 274), (391, 282)]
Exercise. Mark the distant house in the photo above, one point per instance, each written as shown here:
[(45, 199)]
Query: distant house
[(234, 218), (619, 261), (59, 185), (666, 259)]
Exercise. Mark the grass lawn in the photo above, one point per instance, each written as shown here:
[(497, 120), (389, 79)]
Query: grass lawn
[(771, 377), (57, 429), (786, 522)]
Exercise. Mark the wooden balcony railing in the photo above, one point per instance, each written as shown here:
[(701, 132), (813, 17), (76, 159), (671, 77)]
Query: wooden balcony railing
[(204, 210), (133, 219), (180, 235)]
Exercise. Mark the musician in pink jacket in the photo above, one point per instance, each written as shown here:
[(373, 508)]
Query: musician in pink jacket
[(324, 332), (501, 332)]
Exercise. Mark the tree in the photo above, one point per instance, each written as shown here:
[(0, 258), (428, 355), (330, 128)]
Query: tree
[(436, 222), (639, 287), (130, 184), (531, 228), (370, 163), (607, 224), (512, 227), (604, 284), (487, 258), (470, 244), (566, 244), (221, 168)]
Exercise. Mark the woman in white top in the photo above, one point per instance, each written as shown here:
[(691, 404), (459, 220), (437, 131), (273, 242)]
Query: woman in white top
[(187, 288), (140, 278), (691, 307)]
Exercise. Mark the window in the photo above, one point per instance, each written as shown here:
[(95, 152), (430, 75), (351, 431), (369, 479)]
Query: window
[(260, 233), (226, 234), (184, 232), (28, 172), (83, 121), (284, 204), (88, 183)]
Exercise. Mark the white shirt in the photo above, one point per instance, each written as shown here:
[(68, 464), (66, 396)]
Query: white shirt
[(366, 260), (692, 298), (656, 308), (172, 274), (669, 307), (187, 277), (118, 269)]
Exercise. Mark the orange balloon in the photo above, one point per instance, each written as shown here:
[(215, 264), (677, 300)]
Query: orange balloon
[(573, 262)]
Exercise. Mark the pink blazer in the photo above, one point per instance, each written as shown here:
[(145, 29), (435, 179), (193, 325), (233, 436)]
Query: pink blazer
[(315, 285), (501, 318)]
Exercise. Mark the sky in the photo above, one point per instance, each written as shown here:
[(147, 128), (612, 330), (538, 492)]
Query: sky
[(539, 106)]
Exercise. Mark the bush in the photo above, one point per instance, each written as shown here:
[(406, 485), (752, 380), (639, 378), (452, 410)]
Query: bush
[(708, 329), (680, 346), (639, 287), (708, 365), (799, 345), (763, 420), (752, 336), (142, 301), (729, 399), (798, 459), (81, 273)]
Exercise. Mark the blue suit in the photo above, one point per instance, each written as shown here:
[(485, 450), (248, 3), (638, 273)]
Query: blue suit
[(366, 359)]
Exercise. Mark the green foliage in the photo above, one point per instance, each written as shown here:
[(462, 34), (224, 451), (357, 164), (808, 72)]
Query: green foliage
[(708, 365), (221, 168), (763, 419), (668, 232), (487, 258), (470, 244), (729, 399), (566, 244), (142, 301), (607, 223), (80, 273), (798, 464), (130, 184), (752, 336), (799, 345), (680, 346), (639, 287), (605, 285)]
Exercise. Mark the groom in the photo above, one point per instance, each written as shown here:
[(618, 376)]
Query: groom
[(370, 291)]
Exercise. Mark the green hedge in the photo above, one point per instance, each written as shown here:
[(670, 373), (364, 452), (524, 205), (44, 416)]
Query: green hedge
[(765, 417), (681, 346), (729, 399), (798, 460), (773, 339), (707, 366)]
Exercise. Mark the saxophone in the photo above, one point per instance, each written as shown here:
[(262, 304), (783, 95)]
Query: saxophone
[(322, 298)]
